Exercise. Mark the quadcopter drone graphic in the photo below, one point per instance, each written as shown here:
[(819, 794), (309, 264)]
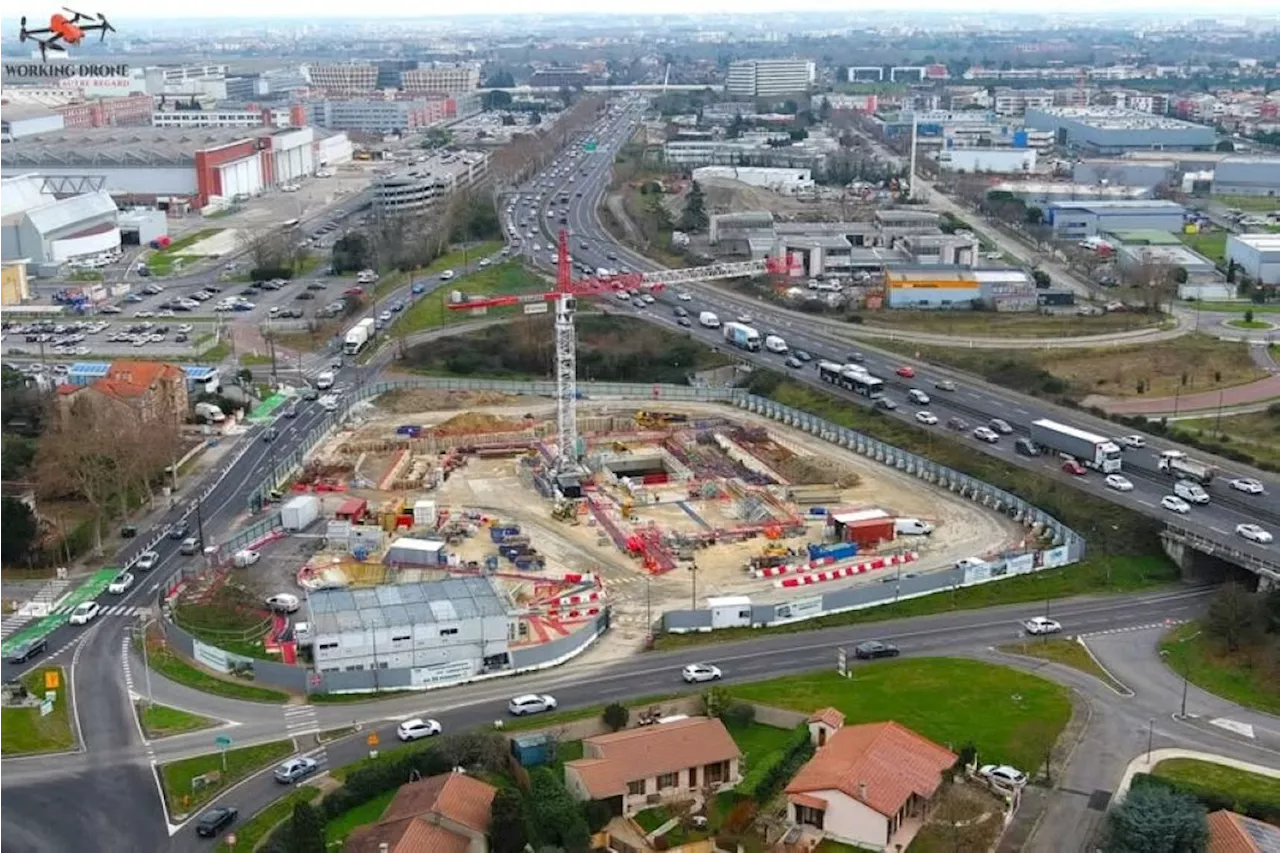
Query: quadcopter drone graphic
[(66, 30)]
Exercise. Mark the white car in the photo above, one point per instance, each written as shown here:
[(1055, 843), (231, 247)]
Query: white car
[(147, 561), (1003, 776), (85, 612), (245, 557), (1248, 485), (417, 728), (1042, 625), (284, 601), (919, 397), (1255, 533), (744, 318), (684, 297), (484, 262), (531, 703), (696, 672), (1134, 441), (927, 418), (1175, 504), (986, 434), (1120, 484), (120, 584)]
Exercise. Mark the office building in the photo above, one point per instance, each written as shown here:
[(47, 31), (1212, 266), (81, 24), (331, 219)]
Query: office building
[(556, 78), (1257, 255), (1075, 220), (418, 188), (1015, 102), (767, 78), (227, 117), (1114, 130), (375, 115), (447, 77), (343, 76)]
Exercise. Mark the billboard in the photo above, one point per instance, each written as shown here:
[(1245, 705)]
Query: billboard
[(803, 608), (1022, 564), (1054, 557)]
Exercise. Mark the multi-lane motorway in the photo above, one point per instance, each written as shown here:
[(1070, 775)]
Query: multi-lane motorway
[(974, 401)]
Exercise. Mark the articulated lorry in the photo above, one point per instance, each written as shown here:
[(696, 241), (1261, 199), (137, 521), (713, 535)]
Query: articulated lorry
[(742, 336), (358, 336), (1179, 465), (1092, 451)]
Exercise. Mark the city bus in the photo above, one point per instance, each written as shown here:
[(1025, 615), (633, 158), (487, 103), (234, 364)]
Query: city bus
[(851, 377)]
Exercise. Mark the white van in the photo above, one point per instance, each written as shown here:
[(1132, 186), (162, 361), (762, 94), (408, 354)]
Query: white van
[(1191, 492), (325, 380), (775, 344), (912, 527), (708, 320)]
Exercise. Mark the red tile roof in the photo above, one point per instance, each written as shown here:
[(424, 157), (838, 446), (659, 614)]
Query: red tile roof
[(119, 388), (615, 759), (1234, 833), (889, 761), (829, 717), (408, 823), (142, 373)]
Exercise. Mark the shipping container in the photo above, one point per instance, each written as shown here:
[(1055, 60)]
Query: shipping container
[(870, 532), (835, 551), (299, 512), (534, 750)]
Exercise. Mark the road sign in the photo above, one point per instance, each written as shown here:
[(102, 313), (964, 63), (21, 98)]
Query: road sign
[(842, 662), (46, 708), (51, 679), (372, 739), (222, 741)]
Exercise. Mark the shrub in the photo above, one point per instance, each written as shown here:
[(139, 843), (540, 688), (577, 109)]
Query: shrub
[(768, 774), (1263, 810), (616, 715), (738, 713)]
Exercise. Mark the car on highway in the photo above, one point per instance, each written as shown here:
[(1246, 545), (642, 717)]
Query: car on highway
[(686, 322), (1073, 468), (945, 385), (698, 672), (803, 355), (855, 357), (294, 769), (1135, 442), (1173, 503), (684, 297), (147, 561), (1003, 776), (215, 820), (1026, 447), (85, 612), (928, 418), (918, 397), (957, 424), (986, 434), (792, 362), (1254, 533), (189, 546), (179, 529), (1119, 483), (886, 404), (1042, 625), (418, 288), (1000, 425), (120, 584), (906, 371), (284, 602), (417, 728), (531, 703), (872, 649), (744, 318), (25, 651), (1248, 485)]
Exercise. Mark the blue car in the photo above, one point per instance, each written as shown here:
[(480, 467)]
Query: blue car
[(419, 288)]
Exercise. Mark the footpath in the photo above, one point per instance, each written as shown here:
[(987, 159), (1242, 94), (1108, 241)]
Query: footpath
[(1260, 391)]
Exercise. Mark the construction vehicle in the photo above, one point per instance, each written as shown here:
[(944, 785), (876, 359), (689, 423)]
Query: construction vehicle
[(565, 511), (658, 420)]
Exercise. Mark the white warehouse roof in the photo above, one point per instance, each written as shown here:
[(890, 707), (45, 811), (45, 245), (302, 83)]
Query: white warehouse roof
[(21, 193), (65, 213)]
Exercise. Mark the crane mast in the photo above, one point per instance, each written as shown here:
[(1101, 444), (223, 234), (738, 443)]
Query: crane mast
[(566, 365)]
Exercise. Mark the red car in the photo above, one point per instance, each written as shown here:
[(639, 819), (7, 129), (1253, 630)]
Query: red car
[(354, 291), (1073, 467), (907, 372)]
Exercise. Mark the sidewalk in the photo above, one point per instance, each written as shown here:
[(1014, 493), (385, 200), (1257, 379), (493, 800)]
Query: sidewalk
[(1239, 395), (1142, 765)]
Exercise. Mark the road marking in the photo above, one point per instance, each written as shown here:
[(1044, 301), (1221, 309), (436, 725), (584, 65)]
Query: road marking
[(1243, 729), (300, 720)]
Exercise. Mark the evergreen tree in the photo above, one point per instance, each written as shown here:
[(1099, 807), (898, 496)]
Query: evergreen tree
[(508, 822), (1154, 819), (694, 217), (306, 832)]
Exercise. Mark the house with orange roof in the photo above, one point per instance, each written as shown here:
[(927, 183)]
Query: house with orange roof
[(634, 769), (448, 813), (1230, 832), (150, 392), (865, 784)]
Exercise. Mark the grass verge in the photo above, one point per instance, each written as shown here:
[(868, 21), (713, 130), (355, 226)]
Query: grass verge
[(329, 735), (1211, 244), (1066, 652), (177, 669), (949, 700), (1234, 307), (185, 794), (1006, 325), (1207, 664), (337, 829), (460, 257), (499, 280), (1253, 433), (1220, 781), (23, 731), (162, 721), (258, 827)]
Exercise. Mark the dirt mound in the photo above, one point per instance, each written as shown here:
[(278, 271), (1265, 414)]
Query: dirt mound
[(411, 400), (471, 423)]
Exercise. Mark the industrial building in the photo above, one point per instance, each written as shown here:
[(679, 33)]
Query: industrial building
[(78, 111), (767, 78), (15, 287), (441, 630), (22, 120), (1257, 255), (1251, 176), (988, 160), (169, 167), (1137, 249), (1043, 193), (46, 231), (741, 152), (1075, 220), (779, 180), (421, 186), (1115, 130), (1125, 172), (223, 116), (934, 288)]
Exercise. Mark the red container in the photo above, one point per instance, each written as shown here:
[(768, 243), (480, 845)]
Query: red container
[(655, 479), (870, 532)]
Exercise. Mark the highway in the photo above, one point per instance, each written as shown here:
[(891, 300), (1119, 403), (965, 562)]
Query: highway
[(974, 401)]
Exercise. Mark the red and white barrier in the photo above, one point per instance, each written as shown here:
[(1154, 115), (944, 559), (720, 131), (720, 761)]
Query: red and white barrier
[(793, 568), (849, 571), (577, 613), (578, 577), (579, 598)]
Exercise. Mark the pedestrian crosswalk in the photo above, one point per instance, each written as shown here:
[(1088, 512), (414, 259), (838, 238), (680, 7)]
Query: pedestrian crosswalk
[(36, 608), (300, 720), (111, 610)]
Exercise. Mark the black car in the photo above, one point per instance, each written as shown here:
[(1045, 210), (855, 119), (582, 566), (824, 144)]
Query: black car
[(306, 294), (215, 820), (886, 404), (316, 285), (310, 394), (873, 649), (1026, 447), (958, 424), (26, 651), (179, 530)]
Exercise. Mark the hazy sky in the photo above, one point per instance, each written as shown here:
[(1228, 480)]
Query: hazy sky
[(160, 10)]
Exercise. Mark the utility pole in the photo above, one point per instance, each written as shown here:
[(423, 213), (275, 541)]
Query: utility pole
[(146, 668), (200, 523), (694, 569)]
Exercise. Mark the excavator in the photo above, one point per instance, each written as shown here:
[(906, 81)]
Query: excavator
[(659, 420)]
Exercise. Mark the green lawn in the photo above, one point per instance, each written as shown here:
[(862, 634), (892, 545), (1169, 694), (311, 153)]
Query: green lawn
[(1234, 307), (162, 721), (1226, 782), (161, 261), (1253, 433), (757, 739), (1211, 244), (1190, 652), (1066, 652), (178, 776), (175, 668), (337, 830), (501, 279), (1248, 202), (24, 732), (1010, 716), (1248, 324), (651, 819), (1006, 325), (254, 830)]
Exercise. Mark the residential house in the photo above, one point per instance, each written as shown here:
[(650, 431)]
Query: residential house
[(1234, 833), (448, 813), (634, 769), (867, 785), (150, 392)]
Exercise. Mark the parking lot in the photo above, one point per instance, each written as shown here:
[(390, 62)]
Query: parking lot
[(54, 339)]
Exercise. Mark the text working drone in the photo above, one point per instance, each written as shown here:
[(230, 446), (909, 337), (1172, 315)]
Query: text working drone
[(65, 30)]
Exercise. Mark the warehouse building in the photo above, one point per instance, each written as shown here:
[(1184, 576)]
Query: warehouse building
[(23, 120), (1251, 176), (1115, 130), (988, 160), (441, 630), (47, 231), (1043, 193), (767, 78), (418, 188), (1257, 255), (1075, 220), (933, 288), (1125, 172), (779, 180)]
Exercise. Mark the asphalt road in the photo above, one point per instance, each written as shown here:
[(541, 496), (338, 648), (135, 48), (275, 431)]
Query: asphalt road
[(974, 401)]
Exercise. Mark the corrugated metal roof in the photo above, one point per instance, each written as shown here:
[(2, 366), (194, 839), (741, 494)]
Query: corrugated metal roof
[(67, 212), (22, 193), (391, 605)]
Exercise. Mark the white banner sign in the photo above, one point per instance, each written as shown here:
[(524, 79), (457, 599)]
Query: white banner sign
[(800, 609), (442, 674), (210, 656)]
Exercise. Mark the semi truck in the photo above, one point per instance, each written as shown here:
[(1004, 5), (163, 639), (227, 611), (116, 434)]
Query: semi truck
[(742, 336), (358, 336), (1092, 451), (1182, 466)]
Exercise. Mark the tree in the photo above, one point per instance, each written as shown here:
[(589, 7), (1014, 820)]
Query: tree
[(21, 531), (694, 217), (1154, 819), (1226, 145), (557, 818), (616, 716), (508, 822), (306, 832), (1234, 616), (824, 110), (496, 100)]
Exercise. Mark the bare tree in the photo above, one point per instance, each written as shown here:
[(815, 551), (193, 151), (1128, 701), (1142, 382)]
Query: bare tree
[(265, 250), (79, 456)]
